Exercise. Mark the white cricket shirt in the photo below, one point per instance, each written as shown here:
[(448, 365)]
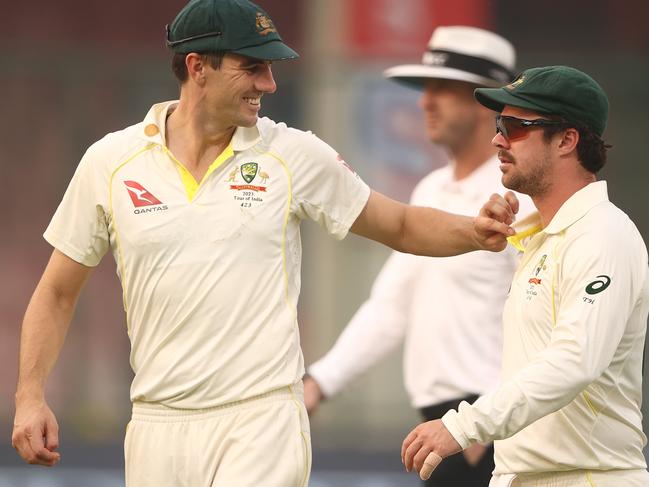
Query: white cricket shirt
[(211, 271), (448, 310), (575, 323)]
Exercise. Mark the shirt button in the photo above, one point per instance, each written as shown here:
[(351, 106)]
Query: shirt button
[(151, 130)]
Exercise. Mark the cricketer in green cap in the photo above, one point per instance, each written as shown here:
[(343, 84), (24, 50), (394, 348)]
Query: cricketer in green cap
[(557, 90), (236, 26), (576, 305), (564, 97)]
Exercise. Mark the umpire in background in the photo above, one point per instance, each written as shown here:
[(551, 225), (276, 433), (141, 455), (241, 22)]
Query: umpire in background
[(447, 311)]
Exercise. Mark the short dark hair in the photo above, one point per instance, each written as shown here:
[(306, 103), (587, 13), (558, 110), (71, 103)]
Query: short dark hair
[(591, 149), (179, 68)]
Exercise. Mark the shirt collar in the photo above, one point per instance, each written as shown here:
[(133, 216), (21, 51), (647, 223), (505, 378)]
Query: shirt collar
[(153, 127), (577, 206), (525, 228), (245, 138), (572, 210)]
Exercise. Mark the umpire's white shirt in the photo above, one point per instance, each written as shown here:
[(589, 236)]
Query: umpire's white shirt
[(210, 270), (448, 309), (575, 323)]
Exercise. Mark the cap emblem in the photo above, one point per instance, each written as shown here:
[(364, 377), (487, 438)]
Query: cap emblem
[(264, 25), (516, 82)]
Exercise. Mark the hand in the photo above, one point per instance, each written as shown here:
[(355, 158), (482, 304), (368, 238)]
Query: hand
[(312, 394), (424, 439), (36, 434), (491, 226)]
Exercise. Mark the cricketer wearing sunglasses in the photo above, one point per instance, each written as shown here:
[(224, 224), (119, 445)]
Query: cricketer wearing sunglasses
[(567, 412)]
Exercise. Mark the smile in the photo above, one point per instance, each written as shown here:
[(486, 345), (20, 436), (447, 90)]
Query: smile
[(252, 101)]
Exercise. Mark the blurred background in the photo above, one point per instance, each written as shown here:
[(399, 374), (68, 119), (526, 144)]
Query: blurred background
[(73, 70)]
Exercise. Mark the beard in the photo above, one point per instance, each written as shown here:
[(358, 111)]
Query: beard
[(534, 182)]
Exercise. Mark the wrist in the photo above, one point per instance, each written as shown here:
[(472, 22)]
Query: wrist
[(476, 242), (29, 395), (450, 421)]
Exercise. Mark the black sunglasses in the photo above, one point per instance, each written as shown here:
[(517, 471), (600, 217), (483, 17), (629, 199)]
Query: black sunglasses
[(171, 43), (513, 128)]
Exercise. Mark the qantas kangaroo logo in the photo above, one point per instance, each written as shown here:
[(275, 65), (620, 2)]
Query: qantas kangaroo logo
[(142, 199), (140, 196)]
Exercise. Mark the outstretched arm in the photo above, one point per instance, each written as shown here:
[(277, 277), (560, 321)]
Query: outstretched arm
[(427, 231), (48, 315)]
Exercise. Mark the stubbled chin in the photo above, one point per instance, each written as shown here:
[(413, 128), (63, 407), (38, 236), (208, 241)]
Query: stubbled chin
[(507, 184)]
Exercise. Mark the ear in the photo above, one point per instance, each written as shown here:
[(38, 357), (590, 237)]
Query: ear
[(195, 67), (569, 141)]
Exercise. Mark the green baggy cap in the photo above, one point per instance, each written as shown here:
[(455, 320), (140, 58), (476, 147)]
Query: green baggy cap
[(554, 90), (237, 26)]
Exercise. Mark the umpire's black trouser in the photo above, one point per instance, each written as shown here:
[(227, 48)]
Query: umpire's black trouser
[(454, 471)]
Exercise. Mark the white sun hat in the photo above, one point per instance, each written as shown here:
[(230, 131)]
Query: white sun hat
[(464, 54)]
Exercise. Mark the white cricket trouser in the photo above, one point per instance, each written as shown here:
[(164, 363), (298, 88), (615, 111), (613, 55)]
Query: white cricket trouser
[(574, 478), (261, 441)]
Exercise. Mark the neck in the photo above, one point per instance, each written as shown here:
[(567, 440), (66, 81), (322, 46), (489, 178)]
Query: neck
[(193, 136), (549, 203)]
